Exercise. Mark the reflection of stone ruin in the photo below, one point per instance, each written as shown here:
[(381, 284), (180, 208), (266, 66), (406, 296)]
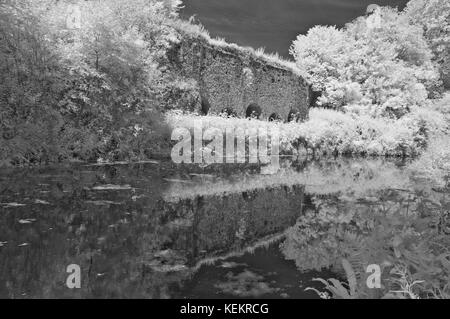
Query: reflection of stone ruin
[(209, 226)]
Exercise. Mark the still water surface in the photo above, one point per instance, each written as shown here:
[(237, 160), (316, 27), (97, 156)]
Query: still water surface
[(155, 230)]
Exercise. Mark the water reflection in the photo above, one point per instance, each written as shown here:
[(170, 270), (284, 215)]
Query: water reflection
[(402, 225), (113, 221), (154, 230)]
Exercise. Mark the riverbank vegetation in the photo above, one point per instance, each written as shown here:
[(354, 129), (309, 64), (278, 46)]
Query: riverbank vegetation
[(83, 82), (92, 85)]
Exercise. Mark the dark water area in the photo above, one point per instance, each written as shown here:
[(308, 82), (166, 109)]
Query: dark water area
[(157, 230)]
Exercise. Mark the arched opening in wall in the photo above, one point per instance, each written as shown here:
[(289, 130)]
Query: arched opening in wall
[(314, 97), (274, 117), (253, 111), (205, 106), (228, 112), (293, 116)]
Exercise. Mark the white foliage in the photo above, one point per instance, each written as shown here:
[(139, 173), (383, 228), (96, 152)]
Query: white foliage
[(382, 71)]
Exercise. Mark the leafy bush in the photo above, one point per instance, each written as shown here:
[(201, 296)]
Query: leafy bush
[(81, 92)]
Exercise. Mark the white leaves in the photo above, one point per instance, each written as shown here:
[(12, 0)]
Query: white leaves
[(102, 202), (109, 187), (27, 221), (41, 202), (335, 287)]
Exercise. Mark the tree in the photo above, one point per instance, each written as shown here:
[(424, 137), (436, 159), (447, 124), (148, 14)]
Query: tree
[(433, 16), (382, 70), (82, 89), (28, 83)]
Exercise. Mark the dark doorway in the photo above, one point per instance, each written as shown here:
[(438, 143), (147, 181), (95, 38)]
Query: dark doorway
[(253, 111), (314, 97), (205, 106)]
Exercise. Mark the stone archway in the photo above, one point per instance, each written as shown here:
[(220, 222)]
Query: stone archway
[(274, 117), (253, 111)]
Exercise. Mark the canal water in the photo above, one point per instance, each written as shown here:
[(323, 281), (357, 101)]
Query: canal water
[(159, 230)]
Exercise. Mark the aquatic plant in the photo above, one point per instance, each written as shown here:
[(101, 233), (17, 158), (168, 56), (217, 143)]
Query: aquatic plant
[(336, 287)]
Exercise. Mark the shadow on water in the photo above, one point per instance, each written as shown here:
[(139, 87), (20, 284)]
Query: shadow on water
[(156, 230)]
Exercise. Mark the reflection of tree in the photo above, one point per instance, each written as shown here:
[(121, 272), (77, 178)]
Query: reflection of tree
[(395, 229), (111, 242)]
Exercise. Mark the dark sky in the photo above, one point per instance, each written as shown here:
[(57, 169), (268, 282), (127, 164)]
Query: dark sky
[(274, 24)]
